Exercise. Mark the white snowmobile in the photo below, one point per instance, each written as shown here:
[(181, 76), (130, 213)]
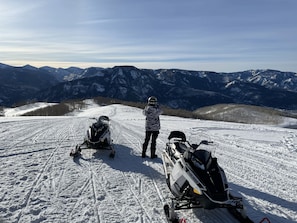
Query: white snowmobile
[(196, 180), (98, 137)]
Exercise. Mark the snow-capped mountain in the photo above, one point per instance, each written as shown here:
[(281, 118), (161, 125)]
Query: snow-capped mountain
[(173, 87), (269, 78)]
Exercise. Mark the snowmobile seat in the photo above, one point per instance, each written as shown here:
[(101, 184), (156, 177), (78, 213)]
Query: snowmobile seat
[(178, 135), (180, 147), (175, 150)]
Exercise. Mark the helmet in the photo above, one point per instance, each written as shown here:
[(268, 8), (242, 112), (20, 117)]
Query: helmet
[(152, 100)]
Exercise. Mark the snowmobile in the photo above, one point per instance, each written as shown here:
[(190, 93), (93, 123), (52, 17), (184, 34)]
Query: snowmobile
[(195, 179), (98, 137)]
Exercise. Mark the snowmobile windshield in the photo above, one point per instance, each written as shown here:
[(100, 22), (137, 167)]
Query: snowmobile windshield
[(181, 147), (202, 157), (103, 120), (177, 135)]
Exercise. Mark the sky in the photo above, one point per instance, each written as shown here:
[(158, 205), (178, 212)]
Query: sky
[(208, 35)]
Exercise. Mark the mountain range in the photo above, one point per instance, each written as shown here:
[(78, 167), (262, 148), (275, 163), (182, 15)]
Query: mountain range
[(176, 88)]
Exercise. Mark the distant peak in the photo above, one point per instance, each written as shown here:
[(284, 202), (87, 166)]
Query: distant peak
[(2, 65), (29, 67), (126, 67)]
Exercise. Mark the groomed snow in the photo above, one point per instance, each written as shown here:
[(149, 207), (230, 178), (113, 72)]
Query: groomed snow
[(18, 111), (40, 182)]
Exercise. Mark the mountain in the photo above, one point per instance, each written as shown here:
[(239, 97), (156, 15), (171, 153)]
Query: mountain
[(248, 114), (20, 83), (268, 78), (175, 88), (64, 74), (179, 88), (172, 87)]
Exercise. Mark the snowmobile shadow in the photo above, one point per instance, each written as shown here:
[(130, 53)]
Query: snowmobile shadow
[(95, 154), (77, 159), (215, 215), (264, 197)]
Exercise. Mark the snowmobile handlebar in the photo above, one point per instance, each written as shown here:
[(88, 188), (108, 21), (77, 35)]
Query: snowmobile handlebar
[(203, 142)]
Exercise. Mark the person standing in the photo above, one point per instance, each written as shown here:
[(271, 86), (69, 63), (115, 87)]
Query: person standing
[(152, 112)]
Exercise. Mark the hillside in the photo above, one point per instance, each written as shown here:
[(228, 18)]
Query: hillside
[(248, 114), (222, 112), (41, 183)]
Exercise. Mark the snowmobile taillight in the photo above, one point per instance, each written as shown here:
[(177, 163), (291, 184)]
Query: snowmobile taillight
[(196, 191)]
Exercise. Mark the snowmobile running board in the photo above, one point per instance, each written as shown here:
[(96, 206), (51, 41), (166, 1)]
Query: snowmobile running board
[(172, 217)]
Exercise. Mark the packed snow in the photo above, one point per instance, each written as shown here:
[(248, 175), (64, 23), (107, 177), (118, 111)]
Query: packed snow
[(40, 182), (18, 111)]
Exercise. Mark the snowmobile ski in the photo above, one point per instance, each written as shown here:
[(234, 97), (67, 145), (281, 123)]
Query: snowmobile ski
[(168, 213), (241, 218), (75, 152)]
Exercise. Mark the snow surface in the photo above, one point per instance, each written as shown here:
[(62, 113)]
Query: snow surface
[(40, 182), (18, 111)]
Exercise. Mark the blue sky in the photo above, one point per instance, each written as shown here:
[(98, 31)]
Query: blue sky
[(212, 35)]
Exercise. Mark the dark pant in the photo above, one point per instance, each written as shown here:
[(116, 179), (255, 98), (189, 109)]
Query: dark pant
[(148, 135)]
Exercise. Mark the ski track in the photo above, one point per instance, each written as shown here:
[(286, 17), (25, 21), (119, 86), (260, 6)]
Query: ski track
[(40, 182)]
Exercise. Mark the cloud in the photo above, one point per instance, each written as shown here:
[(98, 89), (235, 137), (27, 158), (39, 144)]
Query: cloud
[(179, 33)]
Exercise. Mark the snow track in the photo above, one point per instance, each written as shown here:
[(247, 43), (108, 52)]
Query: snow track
[(40, 182)]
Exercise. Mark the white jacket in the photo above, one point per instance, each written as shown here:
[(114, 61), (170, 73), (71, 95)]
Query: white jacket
[(152, 121)]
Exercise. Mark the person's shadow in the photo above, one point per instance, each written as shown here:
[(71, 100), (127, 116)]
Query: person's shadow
[(124, 160)]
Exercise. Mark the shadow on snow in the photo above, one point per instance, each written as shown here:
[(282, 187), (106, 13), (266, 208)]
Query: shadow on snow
[(125, 160)]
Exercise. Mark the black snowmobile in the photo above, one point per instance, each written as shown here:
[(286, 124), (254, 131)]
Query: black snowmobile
[(98, 137), (195, 179)]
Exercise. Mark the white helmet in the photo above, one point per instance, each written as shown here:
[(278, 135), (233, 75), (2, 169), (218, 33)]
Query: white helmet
[(152, 100)]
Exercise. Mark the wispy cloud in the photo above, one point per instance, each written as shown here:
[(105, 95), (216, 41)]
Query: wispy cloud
[(212, 35)]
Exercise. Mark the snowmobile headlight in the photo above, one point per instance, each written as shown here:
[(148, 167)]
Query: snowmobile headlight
[(196, 191)]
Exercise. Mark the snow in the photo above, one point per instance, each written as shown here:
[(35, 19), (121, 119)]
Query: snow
[(18, 111), (40, 182)]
